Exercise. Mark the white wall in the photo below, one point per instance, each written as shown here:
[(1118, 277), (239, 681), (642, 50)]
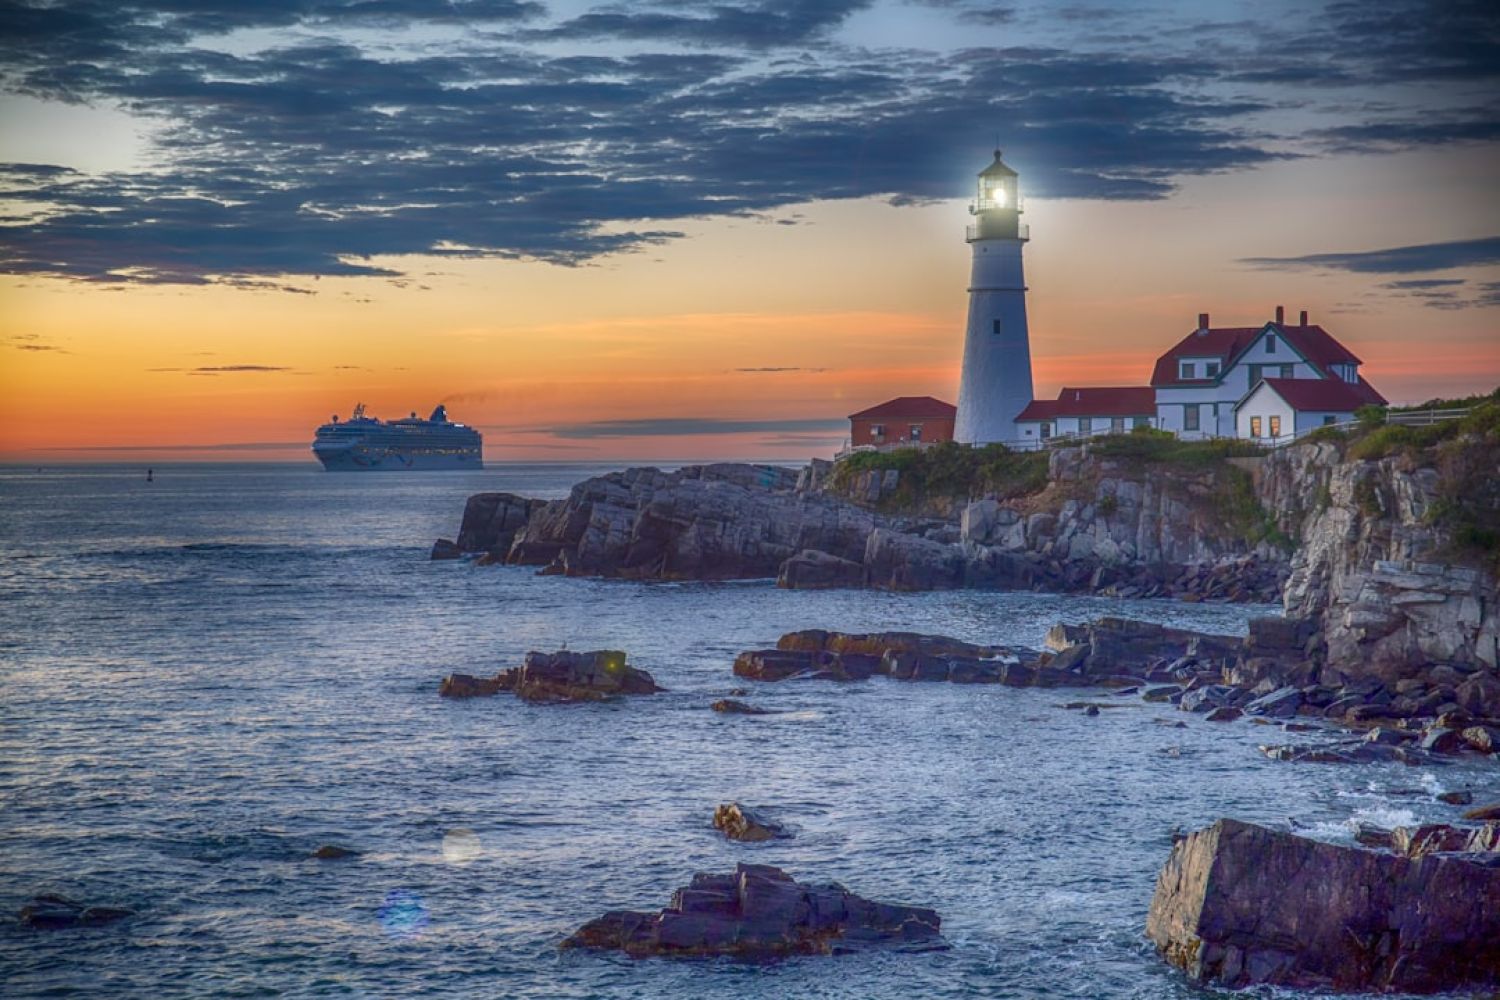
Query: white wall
[(996, 381), (1265, 404), (1235, 383)]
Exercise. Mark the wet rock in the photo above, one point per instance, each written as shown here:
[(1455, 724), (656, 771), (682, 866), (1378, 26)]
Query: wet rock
[(1484, 813), (1238, 904), (1224, 713), (1486, 839), (1207, 698), (1480, 695), (1429, 838), (1163, 693), (741, 823), (1279, 704), (1485, 739), (1445, 741), (816, 654), (445, 549), (814, 570), (558, 677), (1373, 836), (759, 913), (469, 686), (731, 707), (1459, 798), (894, 560), (333, 852), (1091, 710), (50, 913), (1387, 736)]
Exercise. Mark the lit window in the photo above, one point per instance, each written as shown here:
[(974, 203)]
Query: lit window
[(1255, 427), (1275, 426)]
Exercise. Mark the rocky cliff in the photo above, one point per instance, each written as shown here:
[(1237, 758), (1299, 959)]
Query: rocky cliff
[(1380, 565)]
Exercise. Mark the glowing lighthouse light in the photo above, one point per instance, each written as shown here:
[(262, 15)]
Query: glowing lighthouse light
[(996, 381)]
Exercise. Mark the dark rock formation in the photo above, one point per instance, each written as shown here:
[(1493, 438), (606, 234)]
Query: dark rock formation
[(445, 549), (1238, 904), (1461, 798), (729, 706), (906, 656), (1485, 813), (492, 520), (51, 913), (756, 914), (814, 570), (333, 852), (560, 676), (741, 823)]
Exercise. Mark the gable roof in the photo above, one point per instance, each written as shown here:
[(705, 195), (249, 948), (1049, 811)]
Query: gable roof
[(1227, 343), (1330, 395), (1094, 401), (909, 408)]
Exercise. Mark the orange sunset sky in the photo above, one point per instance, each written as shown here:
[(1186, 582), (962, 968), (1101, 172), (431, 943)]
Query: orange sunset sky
[(751, 333)]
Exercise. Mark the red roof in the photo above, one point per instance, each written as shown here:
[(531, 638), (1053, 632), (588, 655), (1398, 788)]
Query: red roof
[(1327, 394), (1227, 342), (1097, 401), (909, 408)]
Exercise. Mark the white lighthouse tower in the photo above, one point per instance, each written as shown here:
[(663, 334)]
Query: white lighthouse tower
[(996, 383)]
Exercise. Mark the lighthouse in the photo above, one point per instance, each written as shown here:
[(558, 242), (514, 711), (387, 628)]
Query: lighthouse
[(996, 382)]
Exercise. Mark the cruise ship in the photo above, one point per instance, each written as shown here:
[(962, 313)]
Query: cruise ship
[(368, 444)]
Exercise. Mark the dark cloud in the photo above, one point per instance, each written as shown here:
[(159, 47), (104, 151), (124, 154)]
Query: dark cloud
[(772, 370), (218, 369), (1422, 283), (1397, 260), (689, 426), (316, 156)]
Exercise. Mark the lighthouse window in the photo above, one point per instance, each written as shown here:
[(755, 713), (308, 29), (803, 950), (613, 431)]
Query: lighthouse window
[(997, 328)]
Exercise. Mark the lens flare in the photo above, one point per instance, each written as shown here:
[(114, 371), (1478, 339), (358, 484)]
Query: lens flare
[(403, 915), (461, 846)]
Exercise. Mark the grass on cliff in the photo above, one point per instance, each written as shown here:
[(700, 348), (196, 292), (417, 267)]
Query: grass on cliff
[(947, 471)]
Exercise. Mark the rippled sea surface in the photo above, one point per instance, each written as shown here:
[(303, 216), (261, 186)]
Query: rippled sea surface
[(204, 678)]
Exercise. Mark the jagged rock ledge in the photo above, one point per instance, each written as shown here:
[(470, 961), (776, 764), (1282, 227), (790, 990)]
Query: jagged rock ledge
[(815, 654), (732, 521), (560, 676), (759, 913), (1238, 904)]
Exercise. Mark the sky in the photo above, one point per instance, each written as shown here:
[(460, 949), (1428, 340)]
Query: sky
[(669, 230)]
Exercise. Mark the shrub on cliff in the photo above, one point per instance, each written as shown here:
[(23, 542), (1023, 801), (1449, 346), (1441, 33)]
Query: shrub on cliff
[(947, 471)]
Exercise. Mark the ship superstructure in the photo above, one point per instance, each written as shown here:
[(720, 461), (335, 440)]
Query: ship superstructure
[(367, 444)]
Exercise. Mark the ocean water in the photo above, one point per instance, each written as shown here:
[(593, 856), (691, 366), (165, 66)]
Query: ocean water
[(204, 678)]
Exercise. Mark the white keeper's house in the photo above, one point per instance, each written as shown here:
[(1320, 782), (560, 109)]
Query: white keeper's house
[(1266, 382)]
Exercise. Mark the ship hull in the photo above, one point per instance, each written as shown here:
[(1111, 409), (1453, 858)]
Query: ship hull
[(394, 460)]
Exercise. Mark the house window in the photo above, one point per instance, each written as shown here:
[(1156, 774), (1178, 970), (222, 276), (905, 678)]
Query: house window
[(1255, 427), (1186, 369), (1255, 374), (1190, 417), (1085, 425), (1046, 429), (877, 430), (1116, 425), (1142, 422), (1276, 425), (1211, 369), (1288, 371), (997, 328), (1329, 419), (1270, 343), (916, 432)]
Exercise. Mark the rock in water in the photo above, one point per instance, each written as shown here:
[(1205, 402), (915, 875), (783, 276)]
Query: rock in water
[(560, 676), (740, 823), (333, 852), (759, 913), (729, 706), (50, 913), (1238, 904)]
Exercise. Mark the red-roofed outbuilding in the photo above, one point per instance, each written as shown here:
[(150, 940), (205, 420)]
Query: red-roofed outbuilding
[(903, 420), (1088, 410)]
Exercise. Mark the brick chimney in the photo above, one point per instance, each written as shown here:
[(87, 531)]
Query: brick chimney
[(1202, 322), (1280, 315), (1303, 321)]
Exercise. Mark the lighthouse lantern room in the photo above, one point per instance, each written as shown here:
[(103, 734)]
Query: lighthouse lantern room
[(996, 381)]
